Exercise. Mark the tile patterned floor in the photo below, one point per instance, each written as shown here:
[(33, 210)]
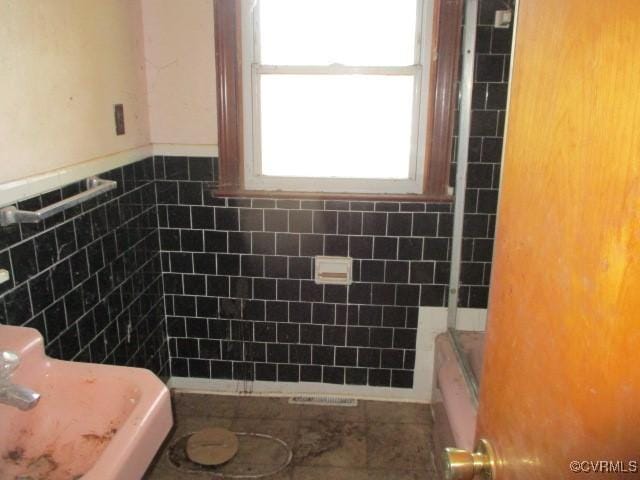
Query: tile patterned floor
[(373, 441)]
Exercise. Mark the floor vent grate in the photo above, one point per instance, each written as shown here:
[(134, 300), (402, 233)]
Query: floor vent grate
[(322, 400)]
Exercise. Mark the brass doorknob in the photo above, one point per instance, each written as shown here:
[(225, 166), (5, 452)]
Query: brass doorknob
[(464, 465)]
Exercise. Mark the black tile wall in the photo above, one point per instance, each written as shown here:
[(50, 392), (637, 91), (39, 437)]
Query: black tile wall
[(89, 279), (493, 49), (239, 292)]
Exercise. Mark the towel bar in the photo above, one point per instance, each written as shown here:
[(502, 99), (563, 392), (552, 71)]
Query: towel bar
[(95, 186)]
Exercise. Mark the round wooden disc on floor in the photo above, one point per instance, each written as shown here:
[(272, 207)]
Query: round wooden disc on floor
[(212, 446)]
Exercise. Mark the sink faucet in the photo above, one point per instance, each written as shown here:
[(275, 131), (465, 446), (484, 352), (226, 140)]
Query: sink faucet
[(17, 396)]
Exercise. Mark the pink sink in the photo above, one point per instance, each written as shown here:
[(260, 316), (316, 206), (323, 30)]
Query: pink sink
[(95, 422)]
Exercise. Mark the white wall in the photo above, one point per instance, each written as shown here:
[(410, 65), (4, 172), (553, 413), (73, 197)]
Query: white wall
[(180, 67), (63, 64)]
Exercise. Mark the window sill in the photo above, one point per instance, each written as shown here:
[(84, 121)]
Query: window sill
[(424, 197)]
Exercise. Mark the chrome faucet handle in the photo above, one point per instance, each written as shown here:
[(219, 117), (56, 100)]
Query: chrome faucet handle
[(9, 361)]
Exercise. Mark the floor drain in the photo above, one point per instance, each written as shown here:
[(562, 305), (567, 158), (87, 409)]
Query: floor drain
[(258, 455)]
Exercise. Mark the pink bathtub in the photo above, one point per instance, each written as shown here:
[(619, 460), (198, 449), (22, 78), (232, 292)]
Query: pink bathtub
[(454, 406)]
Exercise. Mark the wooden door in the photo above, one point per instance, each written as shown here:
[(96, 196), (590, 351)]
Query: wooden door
[(561, 376)]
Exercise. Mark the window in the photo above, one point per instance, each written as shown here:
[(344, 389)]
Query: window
[(334, 96)]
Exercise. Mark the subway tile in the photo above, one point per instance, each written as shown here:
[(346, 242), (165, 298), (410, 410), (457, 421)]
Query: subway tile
[(361, 247), (288, 289), (288, 332), (300, 221), (489, 68), (265, 288), (396, 272), (300, 267), (322, 355), (370, 315), (176, 168), (263, 203), (346, 356), (356, 376), (239, 242), (287, 244), (383, 293), (325, 222), (215, 241), (23, 259), (226, 218), (263, 243), (228, 264), (385, 248), (252, 266), (311, 245), (336, 245), (374, 223), (379, 377), (240, 287), (333, 375), (275, 267), (323, 313), (202, 217), (217, 286), (410, 248), (200, 169), (407, 295), (276, 220), (190, 240), (422, 272), (372, 271), (501, 40), (311, 292), (358, 336), (190, 193), (288, 204), (311, 334), (251, 219), (266, 372), (361, 206), (312, 204), (277, 353), (300, 312), (335, 293), (310, 373), (425, 224), (350, 223), (178, 216), (288, 373), (402, 378), (387, 206), (360, 293)]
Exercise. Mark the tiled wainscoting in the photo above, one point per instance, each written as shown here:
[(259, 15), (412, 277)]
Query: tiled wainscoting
[(89, 279), (240, 297)]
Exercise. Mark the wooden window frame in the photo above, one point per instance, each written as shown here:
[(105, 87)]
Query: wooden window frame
[(441, 109)]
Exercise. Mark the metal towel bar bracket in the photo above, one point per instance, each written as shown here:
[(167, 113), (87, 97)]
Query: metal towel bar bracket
[(95, 186)]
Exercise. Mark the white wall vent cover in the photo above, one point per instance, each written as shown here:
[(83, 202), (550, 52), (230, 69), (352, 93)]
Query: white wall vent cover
[(323, 401)]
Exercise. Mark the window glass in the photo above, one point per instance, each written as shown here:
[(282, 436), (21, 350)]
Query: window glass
[(343, 126), (348, 32)]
